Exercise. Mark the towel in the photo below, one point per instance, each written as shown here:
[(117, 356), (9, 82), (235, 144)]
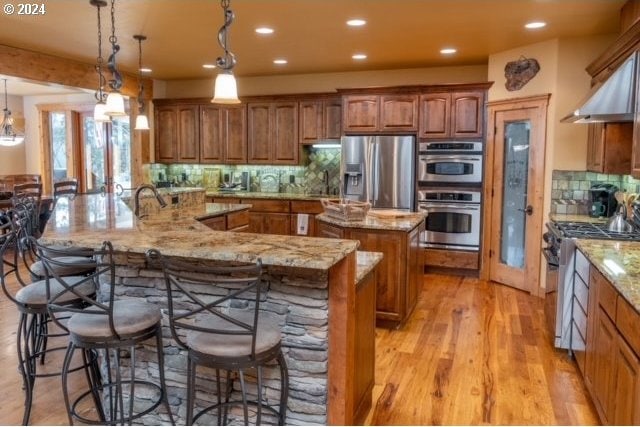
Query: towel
[(303, 224)]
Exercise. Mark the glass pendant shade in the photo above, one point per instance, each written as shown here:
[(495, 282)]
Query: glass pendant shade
[(115, 105), (11, 140), (142, 123), (7, 137), (226, 91), (99, 113)]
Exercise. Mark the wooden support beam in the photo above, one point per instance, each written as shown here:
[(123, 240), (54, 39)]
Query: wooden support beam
[(46, 68)]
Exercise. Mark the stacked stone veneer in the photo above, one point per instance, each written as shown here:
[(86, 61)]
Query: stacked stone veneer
[(185, 199), (299, 299)]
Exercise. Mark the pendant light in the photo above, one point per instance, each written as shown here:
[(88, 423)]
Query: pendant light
[(100, 108), (8, 137), (142, 122), (115, 101), (226, 90)]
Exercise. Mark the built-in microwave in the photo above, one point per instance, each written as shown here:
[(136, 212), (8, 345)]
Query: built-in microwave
[(450, 162)]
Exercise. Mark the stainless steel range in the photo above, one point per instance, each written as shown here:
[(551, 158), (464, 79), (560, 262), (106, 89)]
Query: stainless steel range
[(560, 255)]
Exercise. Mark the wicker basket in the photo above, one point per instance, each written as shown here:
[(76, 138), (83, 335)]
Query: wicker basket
[(345, 209)]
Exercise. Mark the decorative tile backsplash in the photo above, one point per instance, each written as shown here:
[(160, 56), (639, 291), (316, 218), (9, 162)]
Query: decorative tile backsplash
[(292, 179), (570, 189)]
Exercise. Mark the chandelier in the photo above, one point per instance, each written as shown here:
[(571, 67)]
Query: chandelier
[(8, 137), (226, 90), (142, 122)]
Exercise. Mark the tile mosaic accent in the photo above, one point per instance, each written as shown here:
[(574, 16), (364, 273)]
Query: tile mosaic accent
[(292, 179), (570, 189)]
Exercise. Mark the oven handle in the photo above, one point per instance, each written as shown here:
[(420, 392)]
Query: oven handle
[(458, 158), (456, 207)]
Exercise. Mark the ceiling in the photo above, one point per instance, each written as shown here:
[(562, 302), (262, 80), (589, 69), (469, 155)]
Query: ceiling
[(310, 34)]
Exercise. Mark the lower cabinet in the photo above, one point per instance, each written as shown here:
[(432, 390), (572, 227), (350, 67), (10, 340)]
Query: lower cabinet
[(269, 223), (364, 347), (232, 221), (399, 274), (612, 372)]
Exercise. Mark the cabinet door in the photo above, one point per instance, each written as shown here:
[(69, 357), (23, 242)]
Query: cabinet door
[(256, 221), (311, 120), (333, 118), (259, 132), (594, 147), (329, 231), (603, 386), (360, 113), (211, 147), (217, 223), (627, 386), (188, 134), (590, 346), (284, 139), (435, 115), (234, 131), (277, 224), (398, 113), (467, 114), (166, 133)]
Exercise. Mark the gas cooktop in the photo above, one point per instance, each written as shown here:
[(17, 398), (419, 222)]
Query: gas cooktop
[(587, 230)]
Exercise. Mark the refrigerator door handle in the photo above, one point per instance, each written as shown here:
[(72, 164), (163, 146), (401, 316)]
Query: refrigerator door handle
[(368, 149)]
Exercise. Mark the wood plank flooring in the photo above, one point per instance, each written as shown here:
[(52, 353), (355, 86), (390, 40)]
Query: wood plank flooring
[(472, 353)]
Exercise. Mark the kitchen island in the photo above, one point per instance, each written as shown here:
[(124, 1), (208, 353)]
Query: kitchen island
[(399, 276), (313, 289)]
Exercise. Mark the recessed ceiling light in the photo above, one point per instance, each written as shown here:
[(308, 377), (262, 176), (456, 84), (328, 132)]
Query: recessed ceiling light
[(535, 24), (145, 70), (264, 30), (280, 61), (356, 22), (208, 66), (359, 56), (448, 51)]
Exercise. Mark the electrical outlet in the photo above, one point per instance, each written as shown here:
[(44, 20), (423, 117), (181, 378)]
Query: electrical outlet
[(174, 200)]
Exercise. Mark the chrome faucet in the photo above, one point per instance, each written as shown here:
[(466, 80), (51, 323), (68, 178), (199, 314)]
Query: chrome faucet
[(325, 181), (136, 199)]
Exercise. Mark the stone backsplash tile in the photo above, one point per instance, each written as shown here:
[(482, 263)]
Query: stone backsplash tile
[(570, 189), (292, 179)]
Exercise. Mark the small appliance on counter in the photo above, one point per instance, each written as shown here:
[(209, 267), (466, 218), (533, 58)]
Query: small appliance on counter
[(603, 201)]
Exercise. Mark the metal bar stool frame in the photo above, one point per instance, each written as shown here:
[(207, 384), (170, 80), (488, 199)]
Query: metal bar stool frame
[(112, 341), (242, 279)]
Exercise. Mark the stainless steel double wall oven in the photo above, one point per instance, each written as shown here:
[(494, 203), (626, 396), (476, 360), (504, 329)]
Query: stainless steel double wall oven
[(450, 190)]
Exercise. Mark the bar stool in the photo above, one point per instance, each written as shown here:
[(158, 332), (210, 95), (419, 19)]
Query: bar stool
[(107, 326), (33, 331), (222, 338)]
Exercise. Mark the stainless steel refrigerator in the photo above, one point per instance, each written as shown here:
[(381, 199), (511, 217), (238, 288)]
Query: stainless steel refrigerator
[(379, 169)]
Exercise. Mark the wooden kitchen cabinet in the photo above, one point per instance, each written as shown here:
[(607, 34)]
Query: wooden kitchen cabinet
[(320, 120), (272, 132), (232, 221), (223, 134), (609, 147), (451, 115), (380, 113), (604, 356), (269, 216), (177, 133), (626, 385)]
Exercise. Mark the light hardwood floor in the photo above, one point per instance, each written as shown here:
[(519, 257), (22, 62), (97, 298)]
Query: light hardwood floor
[(472, 353)]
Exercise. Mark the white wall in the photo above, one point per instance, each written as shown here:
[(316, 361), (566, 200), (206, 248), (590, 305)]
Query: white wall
[(13, 159)]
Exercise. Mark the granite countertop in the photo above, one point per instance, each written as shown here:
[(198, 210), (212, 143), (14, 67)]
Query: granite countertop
[(404, 223), (576, 218), (89, 220), (212, 210), (366, 261), (619, 262), (261, 195)]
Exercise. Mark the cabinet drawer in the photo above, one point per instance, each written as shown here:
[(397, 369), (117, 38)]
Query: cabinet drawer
[(582, 267), (219, 199), (306, 206), (627, 321), (237, 219), (262, 205), (580, 318), (606, 293), (581, 291), (216, 223)]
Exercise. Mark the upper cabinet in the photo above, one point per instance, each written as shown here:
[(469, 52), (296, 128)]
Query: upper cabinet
[(177, 133), (380, 113), (609, 147), (320, 120), (272, 132), (451, 115), (223, 134)]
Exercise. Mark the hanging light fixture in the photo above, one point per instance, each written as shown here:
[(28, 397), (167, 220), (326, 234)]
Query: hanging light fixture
[(100, 108), (142, 122), (226, 90), (8, 137), (115, 101)]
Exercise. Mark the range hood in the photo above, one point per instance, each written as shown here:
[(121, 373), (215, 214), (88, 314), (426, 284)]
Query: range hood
[(610, 101)]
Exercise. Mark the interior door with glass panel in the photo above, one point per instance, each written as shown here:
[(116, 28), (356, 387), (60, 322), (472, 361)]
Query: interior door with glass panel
[(516, 211)]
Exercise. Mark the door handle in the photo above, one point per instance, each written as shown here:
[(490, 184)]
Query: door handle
[(528, 210)]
